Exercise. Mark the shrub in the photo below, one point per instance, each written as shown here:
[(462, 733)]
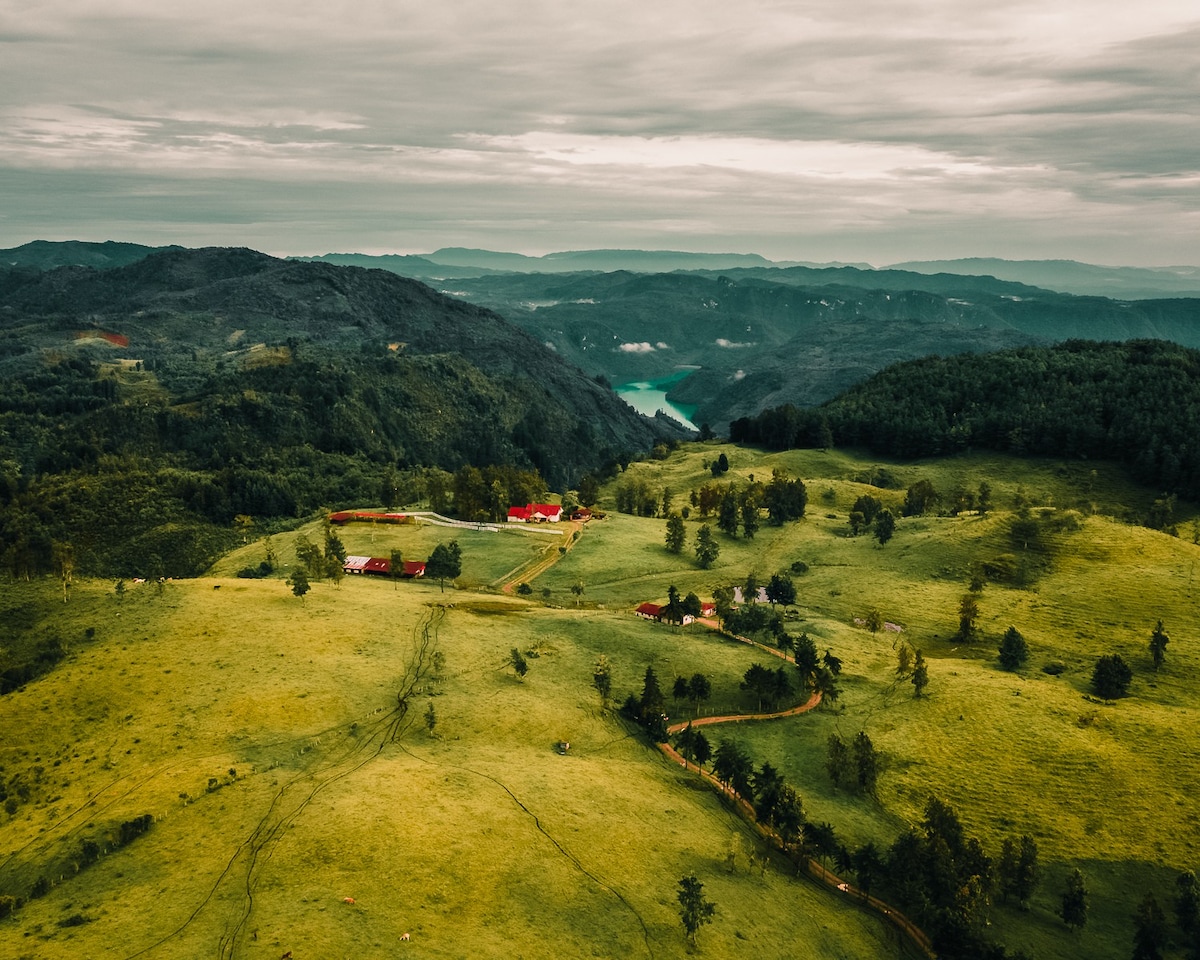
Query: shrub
[(1111, 676)]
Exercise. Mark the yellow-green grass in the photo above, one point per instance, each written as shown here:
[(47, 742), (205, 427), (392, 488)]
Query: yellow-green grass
[(481, 841), (425, 833), (1108, 787), (487, 557)]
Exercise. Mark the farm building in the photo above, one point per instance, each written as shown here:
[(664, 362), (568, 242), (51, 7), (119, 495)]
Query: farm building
[(382, 566), (349, 516), (654, 611), (535, 513)]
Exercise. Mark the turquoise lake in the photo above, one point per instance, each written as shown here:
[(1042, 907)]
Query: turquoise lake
[(650, 396)]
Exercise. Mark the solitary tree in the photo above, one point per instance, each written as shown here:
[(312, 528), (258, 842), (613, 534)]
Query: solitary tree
[(395, 567), (1014, 651), (445, 563), (602, 679), (519, 664), (885, 526), (430, 718), (298, 581), (694, 910), (904, 660), (968, 613), (676, 535), (920, 675), (873, 621), (577, 589), (1111, 676), (1158, 644), (1074, 905), (707, 550), (781, 589)]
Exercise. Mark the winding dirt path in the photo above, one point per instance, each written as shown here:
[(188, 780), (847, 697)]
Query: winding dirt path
[(551, 556), (915, 934)]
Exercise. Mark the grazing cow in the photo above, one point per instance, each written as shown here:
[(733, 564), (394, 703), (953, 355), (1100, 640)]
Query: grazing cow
[(287, 956), (404, 936), (348, 900)]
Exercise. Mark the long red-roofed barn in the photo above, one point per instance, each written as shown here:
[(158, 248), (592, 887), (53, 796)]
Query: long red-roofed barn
[(382, 567), (535, 513)]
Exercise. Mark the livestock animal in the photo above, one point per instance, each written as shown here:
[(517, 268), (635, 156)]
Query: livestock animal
[(404, 936), (348, 900)]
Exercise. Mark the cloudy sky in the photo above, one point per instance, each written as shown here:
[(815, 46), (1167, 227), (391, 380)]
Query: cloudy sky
[(854, 130)]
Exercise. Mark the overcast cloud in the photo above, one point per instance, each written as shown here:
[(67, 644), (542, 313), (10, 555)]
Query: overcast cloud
[(862, 130)]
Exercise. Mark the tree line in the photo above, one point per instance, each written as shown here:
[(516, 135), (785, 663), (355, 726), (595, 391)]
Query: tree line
[(1134, 402)]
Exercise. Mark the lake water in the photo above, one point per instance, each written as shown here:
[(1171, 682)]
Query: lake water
[(650, 396)]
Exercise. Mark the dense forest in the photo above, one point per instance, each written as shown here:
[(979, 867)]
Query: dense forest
[(1136, 402), (144, 408)]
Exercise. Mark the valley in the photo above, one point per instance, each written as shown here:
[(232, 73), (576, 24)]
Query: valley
[(263, 734)]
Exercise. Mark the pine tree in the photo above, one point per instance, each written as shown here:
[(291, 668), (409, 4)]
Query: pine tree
[(694, 910), (1074, 906), (707, 549), (676, 535), (1158, 644), (920, 675)]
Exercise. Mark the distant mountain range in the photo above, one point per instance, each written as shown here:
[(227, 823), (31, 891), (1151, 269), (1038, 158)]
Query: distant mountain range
[(1068, 276), (754, 333)]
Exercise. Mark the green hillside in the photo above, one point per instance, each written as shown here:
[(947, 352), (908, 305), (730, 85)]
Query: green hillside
[(263, 733)]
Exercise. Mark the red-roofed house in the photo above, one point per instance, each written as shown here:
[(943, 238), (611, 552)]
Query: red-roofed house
[(535, 513), (649, 611)]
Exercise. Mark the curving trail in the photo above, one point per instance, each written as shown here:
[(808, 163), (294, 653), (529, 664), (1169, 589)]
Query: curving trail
[(535, 568), (815, 870)]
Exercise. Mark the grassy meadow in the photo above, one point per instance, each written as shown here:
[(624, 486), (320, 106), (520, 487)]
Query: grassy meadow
[(264, 735)]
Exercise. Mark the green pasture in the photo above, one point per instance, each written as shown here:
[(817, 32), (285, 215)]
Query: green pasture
[(263, 733), (259, 731)]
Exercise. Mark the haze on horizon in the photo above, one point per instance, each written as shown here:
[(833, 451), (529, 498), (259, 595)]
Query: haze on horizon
[(818, 131)]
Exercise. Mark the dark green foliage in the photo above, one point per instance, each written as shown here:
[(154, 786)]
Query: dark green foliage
[(727, 512), (298, 581), (734, 768), (781, 589), (968, 613), (602, 679), (784, 498), (680, 690), (1073, 907), (1111, 676), (920, 499), (866, 763), (837, 759), (130, 830), (699, 689), (920, 674), (676, 535), (1132, 402), (1158, 644), (1187, 903), (694, 909), (445, 563), (1018, 871), (806, 657), (1149, 930), (885, 526), (707, 549), (1014, 651), (518, 662), (161, 461)]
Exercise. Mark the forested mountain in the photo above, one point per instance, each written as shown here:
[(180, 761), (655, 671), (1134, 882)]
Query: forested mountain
[(766, 336), (1136, 402), (48, 254), (163, 398)]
